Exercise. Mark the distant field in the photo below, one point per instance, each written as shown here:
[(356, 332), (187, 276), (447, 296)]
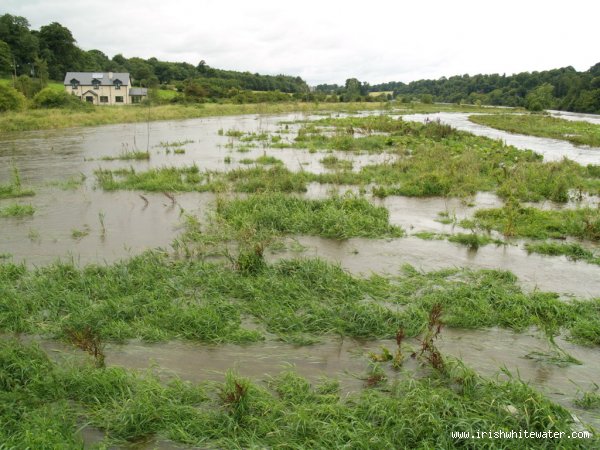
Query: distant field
[(51, 84), (377, 94)]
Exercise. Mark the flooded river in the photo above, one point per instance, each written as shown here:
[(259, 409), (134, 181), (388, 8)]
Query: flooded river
[(88, 225), (551, 149), (80, 222)]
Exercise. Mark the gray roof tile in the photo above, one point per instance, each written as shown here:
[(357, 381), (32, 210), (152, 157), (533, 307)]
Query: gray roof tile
[(85, 78)]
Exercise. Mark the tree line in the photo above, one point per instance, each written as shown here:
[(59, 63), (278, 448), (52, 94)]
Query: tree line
[(564, 89), (33, 57), (50, 52)]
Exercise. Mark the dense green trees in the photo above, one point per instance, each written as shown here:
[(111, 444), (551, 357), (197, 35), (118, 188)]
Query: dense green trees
[(52, 51), (563, 88)]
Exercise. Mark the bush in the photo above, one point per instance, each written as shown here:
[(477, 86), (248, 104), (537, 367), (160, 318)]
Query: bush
[(50, 98), (11, 99)]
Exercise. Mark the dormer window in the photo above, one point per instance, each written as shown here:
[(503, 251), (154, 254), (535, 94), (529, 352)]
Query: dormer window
[(74, 83), (117, 84), (96, 83)]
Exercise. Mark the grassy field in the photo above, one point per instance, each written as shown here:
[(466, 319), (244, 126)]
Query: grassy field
[(580, 133)]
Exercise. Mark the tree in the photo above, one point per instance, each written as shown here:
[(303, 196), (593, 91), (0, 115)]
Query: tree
[(14, 30), (353, 87), (6, 58), (540, 98), (57, 46), (41, 70)]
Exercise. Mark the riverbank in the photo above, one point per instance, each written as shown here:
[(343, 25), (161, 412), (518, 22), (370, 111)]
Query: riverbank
[(47, 119), (579, 133)]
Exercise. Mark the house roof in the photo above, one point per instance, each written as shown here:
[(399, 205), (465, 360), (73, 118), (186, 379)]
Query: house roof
[(138, 91), (85, 78)]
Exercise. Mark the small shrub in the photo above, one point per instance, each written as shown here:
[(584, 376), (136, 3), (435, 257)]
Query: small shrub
[(11, 99), (50, 98)]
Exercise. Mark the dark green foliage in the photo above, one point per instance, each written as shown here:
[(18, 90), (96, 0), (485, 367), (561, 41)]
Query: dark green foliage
[(563, 88)]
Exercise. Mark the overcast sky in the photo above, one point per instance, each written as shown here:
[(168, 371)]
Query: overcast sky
[(330, 41)]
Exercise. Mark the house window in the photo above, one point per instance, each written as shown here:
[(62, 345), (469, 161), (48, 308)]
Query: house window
[(118, 99), (89, 99), (96, 84), (74, 83), (103, 99)]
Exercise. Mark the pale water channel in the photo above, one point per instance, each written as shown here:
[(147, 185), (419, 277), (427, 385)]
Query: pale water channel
[(125, 223)]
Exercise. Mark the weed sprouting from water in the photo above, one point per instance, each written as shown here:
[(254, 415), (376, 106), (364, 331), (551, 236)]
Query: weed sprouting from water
[(15, 188), (429, 351), (88, 340), (589, 399), (101, 216), (79, 234)]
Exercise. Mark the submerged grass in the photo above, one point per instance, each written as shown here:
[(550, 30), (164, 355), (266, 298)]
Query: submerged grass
[(580, 133), (428, 160), (17, 210), (572, 251), (43, 400), (128, 155), (14, 189), (188, 179), (153, 297), (521, 221), (38, 119), (473, 240)]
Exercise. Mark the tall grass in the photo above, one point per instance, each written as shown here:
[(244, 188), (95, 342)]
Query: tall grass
[(42, 401), (521, 221), (154, 298), (337, 217)]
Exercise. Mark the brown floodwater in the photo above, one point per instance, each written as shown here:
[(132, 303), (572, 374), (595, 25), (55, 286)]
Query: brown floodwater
[(386, 256), (88, 225), (487, 351)]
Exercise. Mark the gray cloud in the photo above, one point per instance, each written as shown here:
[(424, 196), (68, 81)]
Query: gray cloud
[(330, 41)]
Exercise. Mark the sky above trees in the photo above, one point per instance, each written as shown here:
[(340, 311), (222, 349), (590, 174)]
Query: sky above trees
[(330, 41)]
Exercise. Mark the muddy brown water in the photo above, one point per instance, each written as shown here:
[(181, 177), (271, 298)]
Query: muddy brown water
[(121, 224), (487, 351), (133, 224)]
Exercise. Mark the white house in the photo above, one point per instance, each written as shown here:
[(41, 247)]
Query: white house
[(104, 88)]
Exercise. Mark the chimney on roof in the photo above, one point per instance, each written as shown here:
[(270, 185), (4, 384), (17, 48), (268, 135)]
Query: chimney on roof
[(110, 75)]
